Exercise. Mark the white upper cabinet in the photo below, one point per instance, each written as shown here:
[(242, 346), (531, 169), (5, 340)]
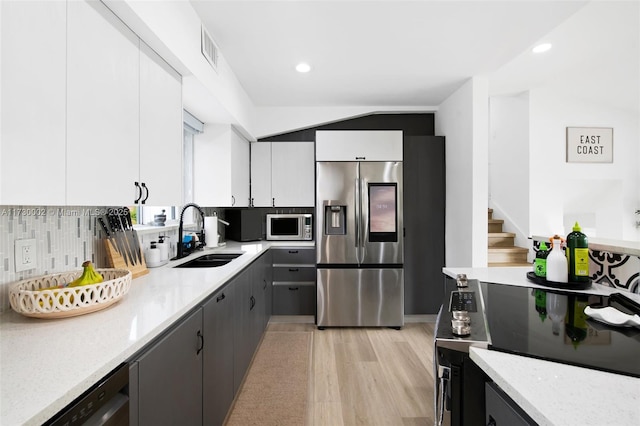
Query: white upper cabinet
[(282, 174), (88, 110), (33, 89), (221, 167), (160, 130), (359, 145), (293, 174), (261, 174), (102, 107)]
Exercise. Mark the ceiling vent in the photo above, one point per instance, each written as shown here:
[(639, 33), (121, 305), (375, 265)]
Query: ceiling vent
[(209, 48)]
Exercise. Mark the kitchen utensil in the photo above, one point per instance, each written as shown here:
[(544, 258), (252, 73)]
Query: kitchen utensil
[(117, 237), (611, 316), (126, 239), (134, 244)]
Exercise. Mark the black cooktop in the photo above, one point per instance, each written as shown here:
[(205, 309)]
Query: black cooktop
[(551, 325)]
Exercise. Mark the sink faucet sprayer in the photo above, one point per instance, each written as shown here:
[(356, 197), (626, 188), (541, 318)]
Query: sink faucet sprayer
[(201, 243)]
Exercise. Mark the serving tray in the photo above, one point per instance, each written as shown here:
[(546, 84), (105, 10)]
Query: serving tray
[(572, 285)]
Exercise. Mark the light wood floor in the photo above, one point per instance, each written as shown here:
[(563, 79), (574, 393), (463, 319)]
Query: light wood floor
[(369, 376)]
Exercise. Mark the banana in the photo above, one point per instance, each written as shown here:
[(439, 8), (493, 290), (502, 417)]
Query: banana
[(89, 276)]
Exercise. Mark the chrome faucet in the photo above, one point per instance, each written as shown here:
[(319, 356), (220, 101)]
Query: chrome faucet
[(201, 243)]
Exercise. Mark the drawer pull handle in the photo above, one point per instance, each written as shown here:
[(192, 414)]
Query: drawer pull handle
[(293, 251), (220, 298), (294, 288), (294, 269)]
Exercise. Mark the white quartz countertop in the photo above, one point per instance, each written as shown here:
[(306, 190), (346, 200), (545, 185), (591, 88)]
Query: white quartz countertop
[(553, 393), (559, 394), (46, 364)]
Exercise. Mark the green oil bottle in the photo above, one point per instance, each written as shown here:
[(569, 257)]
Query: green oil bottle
[(578, 255)]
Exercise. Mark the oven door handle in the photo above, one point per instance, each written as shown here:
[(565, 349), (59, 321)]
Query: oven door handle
[(443, 384)]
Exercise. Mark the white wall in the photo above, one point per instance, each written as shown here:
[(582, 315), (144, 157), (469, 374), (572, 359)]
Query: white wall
[(602, 196), (463, 120), (509, 164)]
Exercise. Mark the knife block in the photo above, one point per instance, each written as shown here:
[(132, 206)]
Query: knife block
[(116, 260)]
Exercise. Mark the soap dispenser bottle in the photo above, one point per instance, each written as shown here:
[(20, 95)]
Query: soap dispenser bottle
[(578, 255), (540, 264), (557, 268)]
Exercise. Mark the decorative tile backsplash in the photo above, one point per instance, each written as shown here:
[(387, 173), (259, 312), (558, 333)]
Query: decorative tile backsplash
[(65, 237)]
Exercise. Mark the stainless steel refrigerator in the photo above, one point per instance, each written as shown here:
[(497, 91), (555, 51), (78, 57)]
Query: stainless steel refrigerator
[(359, 237)]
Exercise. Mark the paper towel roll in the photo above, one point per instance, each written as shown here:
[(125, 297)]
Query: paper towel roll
[(211, 231)]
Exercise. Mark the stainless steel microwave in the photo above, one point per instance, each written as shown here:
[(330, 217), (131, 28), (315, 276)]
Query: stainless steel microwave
[(290, 227)]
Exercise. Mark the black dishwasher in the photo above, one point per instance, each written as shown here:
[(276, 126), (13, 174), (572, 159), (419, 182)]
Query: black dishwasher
[(105, 403)]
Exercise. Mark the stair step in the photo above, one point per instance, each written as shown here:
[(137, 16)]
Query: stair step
[(507, 255), (507, 264), (501, 239), (495, 225)]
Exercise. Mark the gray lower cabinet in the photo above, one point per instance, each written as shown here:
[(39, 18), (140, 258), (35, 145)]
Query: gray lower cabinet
[(168, 382), (242, 341), (502, 410), (294, 281), (192, 373), (217, 374)]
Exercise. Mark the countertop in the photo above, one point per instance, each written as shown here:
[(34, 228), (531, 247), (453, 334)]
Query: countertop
[(46, 364), (553, 393)]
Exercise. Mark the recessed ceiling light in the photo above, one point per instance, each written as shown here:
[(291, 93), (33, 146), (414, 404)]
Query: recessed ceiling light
[(542, 48), (303, 67)]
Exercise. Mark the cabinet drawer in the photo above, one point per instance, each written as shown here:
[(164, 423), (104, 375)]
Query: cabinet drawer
[(294, 299), (297, 255), (294, 273)]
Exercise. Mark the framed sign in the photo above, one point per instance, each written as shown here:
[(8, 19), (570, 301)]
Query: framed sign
[(589, 145)]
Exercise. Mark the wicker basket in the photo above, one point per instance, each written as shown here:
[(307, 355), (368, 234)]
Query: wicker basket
[(41, 297)]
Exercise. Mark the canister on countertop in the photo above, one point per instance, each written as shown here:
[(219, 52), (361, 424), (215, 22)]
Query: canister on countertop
[(152, 256)]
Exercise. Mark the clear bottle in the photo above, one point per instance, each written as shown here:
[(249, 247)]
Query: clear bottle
[(557, 268), (578, 255)]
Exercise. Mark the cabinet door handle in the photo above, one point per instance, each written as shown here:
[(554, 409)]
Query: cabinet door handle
[(220, 298), (361, 158), (293, 251), (139, 192), (251, 202), (252, 303), (273, 202), (233, 201), (201, 341), (294, 288), (265, 284), (144, 185), (293, 269)]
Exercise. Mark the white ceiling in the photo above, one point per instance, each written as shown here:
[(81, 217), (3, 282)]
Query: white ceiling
[(407, 53)]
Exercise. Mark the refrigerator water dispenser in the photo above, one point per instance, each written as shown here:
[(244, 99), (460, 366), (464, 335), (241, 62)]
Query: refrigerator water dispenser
[(335, 220)]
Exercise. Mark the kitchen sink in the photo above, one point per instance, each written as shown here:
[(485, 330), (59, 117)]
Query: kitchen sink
[(211, 260)]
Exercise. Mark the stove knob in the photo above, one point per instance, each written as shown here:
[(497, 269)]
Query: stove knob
[(461, 281)]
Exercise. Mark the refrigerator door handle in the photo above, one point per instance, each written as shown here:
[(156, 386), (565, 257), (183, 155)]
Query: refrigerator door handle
[(356, 194)]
